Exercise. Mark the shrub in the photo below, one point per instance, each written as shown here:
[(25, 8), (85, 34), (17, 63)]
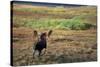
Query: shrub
[(74, 24), (47, 23)]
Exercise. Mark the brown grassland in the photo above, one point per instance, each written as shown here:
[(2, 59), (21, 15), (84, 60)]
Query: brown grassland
[(64, 45)]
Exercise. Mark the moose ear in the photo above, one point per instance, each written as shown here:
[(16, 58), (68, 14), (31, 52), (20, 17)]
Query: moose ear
[(35, 33), (49, 33)]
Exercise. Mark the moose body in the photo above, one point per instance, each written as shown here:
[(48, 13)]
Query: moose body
[(41, 45), (42, 42)]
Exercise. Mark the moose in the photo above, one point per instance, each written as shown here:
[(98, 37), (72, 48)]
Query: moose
[(41, 42)]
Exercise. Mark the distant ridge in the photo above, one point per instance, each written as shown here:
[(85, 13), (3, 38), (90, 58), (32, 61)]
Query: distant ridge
[(46, 4)]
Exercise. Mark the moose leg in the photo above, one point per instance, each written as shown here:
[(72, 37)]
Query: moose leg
[(39, 52), (44, 51), (34, 52)]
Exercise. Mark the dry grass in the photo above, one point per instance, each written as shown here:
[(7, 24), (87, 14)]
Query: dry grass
[(64, 46)]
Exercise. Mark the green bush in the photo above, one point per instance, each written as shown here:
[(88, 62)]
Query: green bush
[(46, 23), (75, 24)]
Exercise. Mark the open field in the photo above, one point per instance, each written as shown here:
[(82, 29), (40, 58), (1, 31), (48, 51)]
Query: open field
[(73, 38)]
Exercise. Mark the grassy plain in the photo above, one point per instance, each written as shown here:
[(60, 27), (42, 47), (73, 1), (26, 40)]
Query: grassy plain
[(73, 38)]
